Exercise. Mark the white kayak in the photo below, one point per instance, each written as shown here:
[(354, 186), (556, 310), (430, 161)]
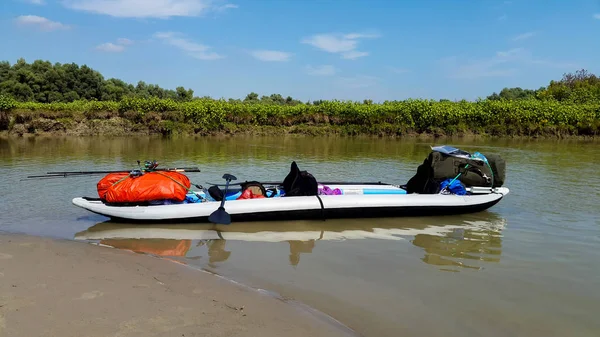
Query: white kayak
[(356, 201)]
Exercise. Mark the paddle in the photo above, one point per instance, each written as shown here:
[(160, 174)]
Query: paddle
[(220, 216)]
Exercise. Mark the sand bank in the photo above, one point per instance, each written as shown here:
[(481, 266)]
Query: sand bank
[(62, 288)]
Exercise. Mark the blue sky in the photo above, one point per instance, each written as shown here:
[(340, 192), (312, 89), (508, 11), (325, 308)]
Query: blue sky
[(313, 49)]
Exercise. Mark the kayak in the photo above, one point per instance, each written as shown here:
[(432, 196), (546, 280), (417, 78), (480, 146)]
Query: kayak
[(353, 201), (450, 181)]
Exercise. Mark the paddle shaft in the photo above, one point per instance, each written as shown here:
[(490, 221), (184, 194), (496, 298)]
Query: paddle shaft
[(224, 195)]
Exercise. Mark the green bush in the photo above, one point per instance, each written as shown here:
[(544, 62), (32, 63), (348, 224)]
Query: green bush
[(7, 103), (527, 117)]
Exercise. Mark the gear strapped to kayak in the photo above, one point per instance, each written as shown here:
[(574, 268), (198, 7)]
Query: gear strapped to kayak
[(448, 164)]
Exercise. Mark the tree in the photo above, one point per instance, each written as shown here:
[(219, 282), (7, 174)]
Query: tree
[(184, 95), (42, 81), (513, 94), (578, 87), (251, 97)]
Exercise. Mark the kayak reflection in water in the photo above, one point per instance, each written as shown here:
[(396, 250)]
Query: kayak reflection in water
[(449, 243), (159, 247), (297, 247), (216, 250)]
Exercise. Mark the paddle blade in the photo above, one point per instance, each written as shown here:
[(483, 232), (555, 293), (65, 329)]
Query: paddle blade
[(220, 216)]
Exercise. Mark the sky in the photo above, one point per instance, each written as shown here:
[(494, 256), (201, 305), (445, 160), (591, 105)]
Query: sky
[(313, 49)]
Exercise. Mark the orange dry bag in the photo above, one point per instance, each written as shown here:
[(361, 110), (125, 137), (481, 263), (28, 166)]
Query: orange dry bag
[(105, 183), (121, 187)]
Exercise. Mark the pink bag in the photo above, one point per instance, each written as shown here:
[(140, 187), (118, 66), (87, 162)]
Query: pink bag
[(326, 190)]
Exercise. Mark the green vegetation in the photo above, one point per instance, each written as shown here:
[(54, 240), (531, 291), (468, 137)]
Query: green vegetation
[(41, 97)]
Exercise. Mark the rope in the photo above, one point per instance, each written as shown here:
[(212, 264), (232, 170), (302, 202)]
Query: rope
[(120, 180), (182, 185)]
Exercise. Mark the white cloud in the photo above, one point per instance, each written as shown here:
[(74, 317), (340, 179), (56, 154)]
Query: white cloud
[(193, 49), (118, 47), (344, 44), (353, 55), (226, 7), (597, 16), (110, 47), (354, 36), (524, 36), (41, 22), (502, 64), (123, 41), (271, 55), (148, 8), (324, 70), (35, 2)]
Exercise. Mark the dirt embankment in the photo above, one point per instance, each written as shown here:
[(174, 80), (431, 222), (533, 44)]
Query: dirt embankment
[(20, 123)]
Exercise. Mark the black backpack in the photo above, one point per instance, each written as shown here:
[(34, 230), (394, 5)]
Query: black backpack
[(299, 183)]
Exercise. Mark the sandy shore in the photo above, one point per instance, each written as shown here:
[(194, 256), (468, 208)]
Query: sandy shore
[(62, 288)]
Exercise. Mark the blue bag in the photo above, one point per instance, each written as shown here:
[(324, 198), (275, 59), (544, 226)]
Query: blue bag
[(454, 187)]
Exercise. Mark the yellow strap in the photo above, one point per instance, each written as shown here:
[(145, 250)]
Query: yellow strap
[(182, 185)]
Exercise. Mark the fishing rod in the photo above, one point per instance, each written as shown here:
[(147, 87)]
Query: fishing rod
[(148, 167), (182, 169)]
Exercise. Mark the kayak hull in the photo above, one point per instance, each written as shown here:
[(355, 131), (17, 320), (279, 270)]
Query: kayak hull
[(303, 207)]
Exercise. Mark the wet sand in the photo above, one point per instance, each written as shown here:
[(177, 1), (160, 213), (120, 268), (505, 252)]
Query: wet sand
[(52, 287)]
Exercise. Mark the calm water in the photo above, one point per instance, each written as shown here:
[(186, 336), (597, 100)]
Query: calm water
[(530, 266)]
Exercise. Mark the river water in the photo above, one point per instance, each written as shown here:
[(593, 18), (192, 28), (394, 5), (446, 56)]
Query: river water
[(529, 266)]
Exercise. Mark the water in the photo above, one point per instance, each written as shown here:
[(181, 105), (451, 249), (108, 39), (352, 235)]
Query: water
[(529, 266)]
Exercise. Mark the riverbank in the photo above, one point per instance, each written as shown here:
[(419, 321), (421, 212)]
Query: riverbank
[(526, 118), (62, 288), (118, 127)]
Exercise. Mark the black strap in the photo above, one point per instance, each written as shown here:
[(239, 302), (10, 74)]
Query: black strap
[(322, 207)]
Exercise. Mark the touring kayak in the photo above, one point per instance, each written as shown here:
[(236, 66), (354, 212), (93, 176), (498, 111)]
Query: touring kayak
[(354, 201)]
